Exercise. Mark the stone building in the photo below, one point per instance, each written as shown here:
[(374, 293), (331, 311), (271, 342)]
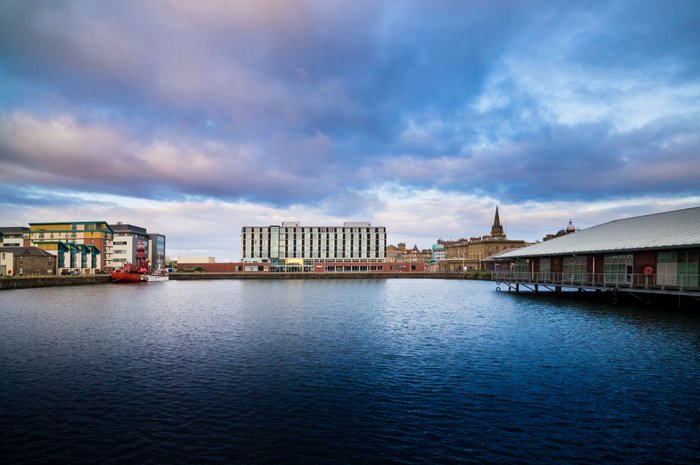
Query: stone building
[(562, 232), (474, 253), (25, 261), (399, 253)]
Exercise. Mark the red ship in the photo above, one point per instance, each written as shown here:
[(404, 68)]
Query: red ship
[(140, 272)]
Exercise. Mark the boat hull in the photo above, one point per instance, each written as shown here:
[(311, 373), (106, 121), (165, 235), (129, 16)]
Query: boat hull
[(126, 277), (155, 278), (123, 277)]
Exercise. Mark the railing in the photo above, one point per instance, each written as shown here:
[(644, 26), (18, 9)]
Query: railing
[(611, 280)]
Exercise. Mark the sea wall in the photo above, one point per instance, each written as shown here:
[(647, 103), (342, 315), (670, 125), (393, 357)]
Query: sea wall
[(252, 275), (47, 281)]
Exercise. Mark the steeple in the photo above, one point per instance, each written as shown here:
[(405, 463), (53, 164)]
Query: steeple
[(497, 229)]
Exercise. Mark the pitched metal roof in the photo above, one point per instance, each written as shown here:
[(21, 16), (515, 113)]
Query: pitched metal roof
[(678, 228)]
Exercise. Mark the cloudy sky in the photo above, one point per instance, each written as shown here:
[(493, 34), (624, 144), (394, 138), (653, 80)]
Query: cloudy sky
[(193, 119)]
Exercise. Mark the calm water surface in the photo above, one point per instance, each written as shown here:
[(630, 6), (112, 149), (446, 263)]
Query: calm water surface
[(396, 371)]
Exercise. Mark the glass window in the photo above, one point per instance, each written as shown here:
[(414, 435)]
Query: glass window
[(575, 269), (667, 269), (618, 269), (545, 269)]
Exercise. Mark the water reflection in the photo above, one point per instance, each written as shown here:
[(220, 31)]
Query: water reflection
[(342, 371)]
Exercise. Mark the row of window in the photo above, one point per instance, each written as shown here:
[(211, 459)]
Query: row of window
[(312, 229), (672, 268)]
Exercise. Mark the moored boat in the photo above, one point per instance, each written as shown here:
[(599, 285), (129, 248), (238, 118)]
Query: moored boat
[(139, 273)]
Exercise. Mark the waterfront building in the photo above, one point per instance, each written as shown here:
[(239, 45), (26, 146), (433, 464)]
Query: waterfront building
[(79, 247), (473, 253), (213, 267), (14, 236), (126, 241), (292, 246), (395, 253), (188, 260), (156, 250), (656, 253), (416, 255), (298, 265), (437, 253), (350, 266), (399, 253), (25, 261)]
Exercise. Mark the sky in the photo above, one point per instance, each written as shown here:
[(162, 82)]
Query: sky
[(194, 119)]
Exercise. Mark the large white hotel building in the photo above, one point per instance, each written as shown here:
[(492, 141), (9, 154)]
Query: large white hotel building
[(353, 240)]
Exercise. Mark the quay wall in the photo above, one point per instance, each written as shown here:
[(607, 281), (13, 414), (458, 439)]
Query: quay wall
[(268, 275), (48, 281)]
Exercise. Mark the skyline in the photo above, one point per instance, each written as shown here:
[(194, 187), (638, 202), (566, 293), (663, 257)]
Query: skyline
[(193, 120)]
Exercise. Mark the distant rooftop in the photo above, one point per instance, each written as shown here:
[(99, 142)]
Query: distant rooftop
[(13, 230), (674, 229), (121, 227), (26, 251)]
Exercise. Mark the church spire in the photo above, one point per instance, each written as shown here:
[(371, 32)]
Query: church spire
[(497, 229)]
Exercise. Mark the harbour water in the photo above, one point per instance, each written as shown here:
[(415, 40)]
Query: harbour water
[(356, 371)]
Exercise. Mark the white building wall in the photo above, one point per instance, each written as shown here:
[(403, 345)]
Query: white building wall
[(360, 240), (6, 261), (124, 247)]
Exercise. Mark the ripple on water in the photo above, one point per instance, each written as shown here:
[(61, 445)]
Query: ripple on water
[(396, 371)]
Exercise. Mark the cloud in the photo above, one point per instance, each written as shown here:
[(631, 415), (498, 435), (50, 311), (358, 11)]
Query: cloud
[(66, 153)]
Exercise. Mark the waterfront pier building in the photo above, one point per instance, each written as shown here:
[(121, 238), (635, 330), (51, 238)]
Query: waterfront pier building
[(653, 254)]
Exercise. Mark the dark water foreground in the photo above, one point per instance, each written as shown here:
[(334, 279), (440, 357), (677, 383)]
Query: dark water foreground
[(395, 371)]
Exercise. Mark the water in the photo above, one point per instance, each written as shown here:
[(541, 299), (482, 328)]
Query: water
[(396, 371)]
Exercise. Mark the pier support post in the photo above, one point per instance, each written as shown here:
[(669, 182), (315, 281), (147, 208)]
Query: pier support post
[(517, 288), (557, 289), (537, 289)]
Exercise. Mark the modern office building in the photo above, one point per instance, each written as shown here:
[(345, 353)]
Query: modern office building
[(280, 245), (156, 250), (126, 241), (79, 247), (127, 238)]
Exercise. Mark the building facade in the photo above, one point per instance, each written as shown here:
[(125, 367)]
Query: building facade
[(14, 236), (156, 250), (473, 253), (651, 253), (438, 253), (126, 241), (79, 247), (277, 244), (26, 261)]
